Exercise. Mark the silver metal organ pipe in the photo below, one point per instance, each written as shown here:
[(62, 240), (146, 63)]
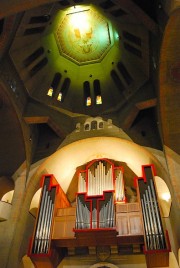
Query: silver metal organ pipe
[(111, 181), (89, 183), (159, 225), (44, 227), (39, 220), (148, 223), (145, 224), (106, 180), (103, 178), (49, 225), (39, 234), (98, 179), (157, 244)]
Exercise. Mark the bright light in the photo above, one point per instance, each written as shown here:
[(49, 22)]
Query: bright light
[(59, 97), (80, 23), (98, 99), (50, 92), (88, 101), (116, 35), (166, 196)]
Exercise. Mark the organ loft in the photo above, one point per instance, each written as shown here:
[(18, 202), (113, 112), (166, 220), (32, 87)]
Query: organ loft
[(101, 217)]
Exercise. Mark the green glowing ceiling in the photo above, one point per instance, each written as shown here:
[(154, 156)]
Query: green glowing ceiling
[(83, 35)]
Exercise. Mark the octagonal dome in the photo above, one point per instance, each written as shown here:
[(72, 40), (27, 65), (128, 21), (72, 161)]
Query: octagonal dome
[(83, 35)]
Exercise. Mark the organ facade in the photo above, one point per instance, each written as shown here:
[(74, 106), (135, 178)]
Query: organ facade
[(101, 216)]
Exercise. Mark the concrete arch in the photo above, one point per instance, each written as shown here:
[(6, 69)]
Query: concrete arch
[(35, 203), (7, 197), (103, 264), (164, 196), (26, 262), (64, 162)]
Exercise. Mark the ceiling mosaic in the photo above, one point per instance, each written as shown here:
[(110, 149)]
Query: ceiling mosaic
[(83, 35)]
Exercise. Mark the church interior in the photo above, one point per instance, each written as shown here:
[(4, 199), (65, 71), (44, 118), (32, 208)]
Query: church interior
[(89, 134)]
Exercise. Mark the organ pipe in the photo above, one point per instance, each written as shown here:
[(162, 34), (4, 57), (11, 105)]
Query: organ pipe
[(154, 233), (104, 186), (44, 222)]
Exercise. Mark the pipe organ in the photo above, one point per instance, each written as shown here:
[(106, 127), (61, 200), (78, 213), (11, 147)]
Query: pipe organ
[(52, 198), (99, 187), (156, 242), (101, 216), (43, 228)]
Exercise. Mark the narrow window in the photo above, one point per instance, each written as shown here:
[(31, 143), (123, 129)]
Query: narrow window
[(64, 3), (124, 73), (132, 38), (39, 19), (97, 92), (87, 93), (133, 50), (93, 125), (36, 30), (118, 12), (55, 83), (64, 89), (117, 80), (101, 124), (38, 66), (107, 4), (59, 97), (87, 127), (37, 53)]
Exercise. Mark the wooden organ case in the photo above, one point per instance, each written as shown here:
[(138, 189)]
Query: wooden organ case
[(102, 216)]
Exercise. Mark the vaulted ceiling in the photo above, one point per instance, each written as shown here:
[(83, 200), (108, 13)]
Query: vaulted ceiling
[(41, 50)]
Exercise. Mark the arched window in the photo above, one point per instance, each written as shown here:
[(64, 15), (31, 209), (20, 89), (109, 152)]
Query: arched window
[(133, 50), (39, 19), (87, 93), (87, 127), (101, 125), (36, 30), (117, 81), (97, 92), (124, 72), (132, 38), (35, 203), (107, 4), (36, 54), (64, 89), (38, 66), (93, 125), (54, 84)]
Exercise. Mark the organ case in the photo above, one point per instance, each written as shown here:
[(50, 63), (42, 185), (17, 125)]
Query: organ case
[(157, 246), (100, 185), (101, 208), (52, 197)]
